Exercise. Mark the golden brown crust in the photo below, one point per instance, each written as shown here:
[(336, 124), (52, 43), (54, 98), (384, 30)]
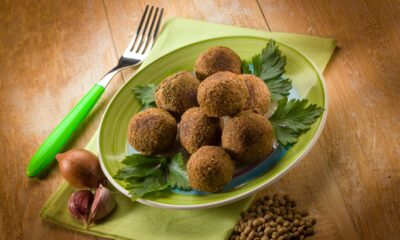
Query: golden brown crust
[(210, 169), (196, 129), (217, 59), (248, 137), (259, 95), (152, 131), (222, 94), (177, 93)]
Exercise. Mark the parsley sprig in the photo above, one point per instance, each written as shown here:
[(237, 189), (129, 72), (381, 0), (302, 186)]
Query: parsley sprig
[(145, 93), (145, 174), (292, 118), (269, 65)]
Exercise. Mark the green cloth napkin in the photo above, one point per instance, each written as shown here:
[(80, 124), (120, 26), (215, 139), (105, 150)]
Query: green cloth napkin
[(132, 220)]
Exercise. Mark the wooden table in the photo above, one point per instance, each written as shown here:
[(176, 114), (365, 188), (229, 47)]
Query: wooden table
[(52, 52)]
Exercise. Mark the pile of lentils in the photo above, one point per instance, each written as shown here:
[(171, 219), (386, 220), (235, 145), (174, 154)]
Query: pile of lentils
[(273, 218)]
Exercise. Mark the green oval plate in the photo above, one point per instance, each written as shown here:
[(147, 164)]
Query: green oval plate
[(112, 143)]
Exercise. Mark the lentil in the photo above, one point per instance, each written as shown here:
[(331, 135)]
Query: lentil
[(274, 218), (259, 234), (251, 235)]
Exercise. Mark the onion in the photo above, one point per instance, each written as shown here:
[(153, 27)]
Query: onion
[(80, 168)]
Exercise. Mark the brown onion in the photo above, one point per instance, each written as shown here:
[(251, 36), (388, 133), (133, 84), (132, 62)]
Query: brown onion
[(80, 168)]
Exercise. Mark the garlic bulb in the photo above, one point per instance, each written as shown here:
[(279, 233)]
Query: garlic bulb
[(80, 168), (79, 204), (103, 204)]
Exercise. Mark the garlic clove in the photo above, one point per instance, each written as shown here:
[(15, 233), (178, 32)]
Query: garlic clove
[(80, 168), (79, 204), (102, 205)]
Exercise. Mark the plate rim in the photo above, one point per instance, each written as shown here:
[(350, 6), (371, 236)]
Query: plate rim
[(241, 195)]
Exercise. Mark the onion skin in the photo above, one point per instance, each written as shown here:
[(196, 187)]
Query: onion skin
[(102, 205), (79, 204), (80, 168)]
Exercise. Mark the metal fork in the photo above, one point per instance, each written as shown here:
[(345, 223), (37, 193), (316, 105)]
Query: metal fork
[(134, 54)]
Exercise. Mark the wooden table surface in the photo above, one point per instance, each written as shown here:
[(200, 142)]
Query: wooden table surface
[(52, 52)]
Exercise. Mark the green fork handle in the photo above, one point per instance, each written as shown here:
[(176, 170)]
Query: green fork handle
[(59, 137)]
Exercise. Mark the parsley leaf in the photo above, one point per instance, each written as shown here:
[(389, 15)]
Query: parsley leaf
[(269, 65), (292, 118), (285, 136), (145, 93), (135, 183), (139, 159), (145, 174), (279, 87), (135, 171), (177, 177), (152, 183), (139, 166), (246, 67)]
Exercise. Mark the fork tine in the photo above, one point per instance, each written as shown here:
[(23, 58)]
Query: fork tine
[(155, 32), (158, 23), (146, 40), (133, 40), (138, 43)]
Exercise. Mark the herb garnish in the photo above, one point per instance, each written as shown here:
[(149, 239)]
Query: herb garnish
[(269, 65), (145, 93), (292, 118), (177, 175), (145, 174)]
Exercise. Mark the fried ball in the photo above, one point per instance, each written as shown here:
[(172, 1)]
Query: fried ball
[(259, 95), (177, 93), (210, 169), (222, 94), (217, 59), (152, 131), (248, 137), (196, 129)]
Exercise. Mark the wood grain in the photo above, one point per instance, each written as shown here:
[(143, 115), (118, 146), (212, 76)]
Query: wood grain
[(52, 52), (354, 167), (241, 13)]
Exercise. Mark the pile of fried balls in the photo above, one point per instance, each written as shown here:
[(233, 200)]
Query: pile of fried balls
[(198, 102)]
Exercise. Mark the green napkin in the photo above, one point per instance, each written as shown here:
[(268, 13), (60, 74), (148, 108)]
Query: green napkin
[(178, 32), (132, 220)]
